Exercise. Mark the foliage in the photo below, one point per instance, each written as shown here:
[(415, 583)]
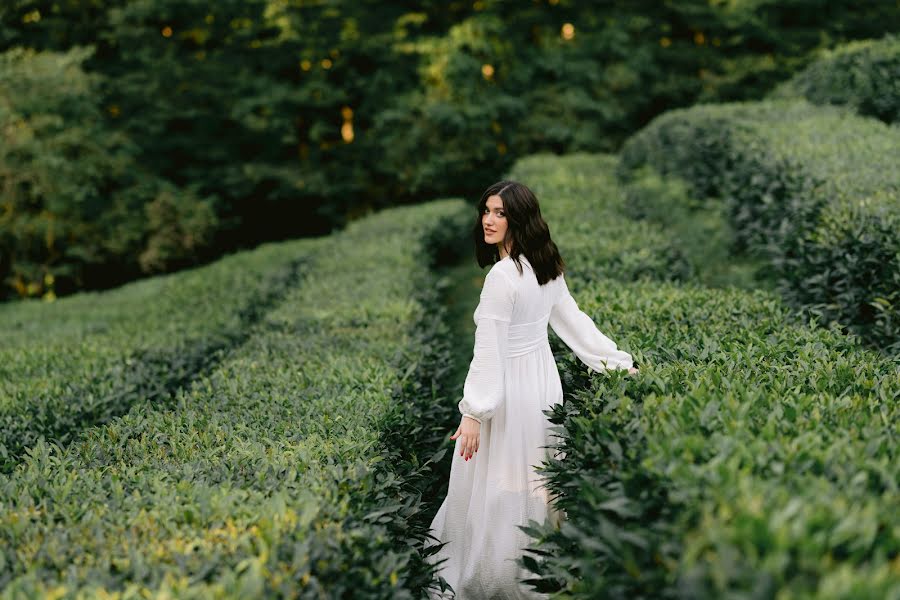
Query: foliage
[(699, 227), (864, 75), (583, 205), (812, 189), (753, 454), (74, 193), (272, 120), (85, 359), (291, 468)]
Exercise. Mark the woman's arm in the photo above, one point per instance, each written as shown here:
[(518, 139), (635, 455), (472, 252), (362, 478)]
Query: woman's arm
[(484, 388), (579, 333)]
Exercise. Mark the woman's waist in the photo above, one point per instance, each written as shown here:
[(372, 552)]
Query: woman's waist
[(523, 344)]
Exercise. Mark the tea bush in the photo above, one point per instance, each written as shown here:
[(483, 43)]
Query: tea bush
[(863, 75), (752, 455), (86, 358), (813, 189), (580, 192), (292, 469)]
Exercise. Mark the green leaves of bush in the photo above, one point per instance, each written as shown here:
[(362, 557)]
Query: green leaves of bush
[(814, 190), (863, 75)]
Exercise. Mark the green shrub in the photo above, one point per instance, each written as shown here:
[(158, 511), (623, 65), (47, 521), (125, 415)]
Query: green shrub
[(290, 469), (753, 455), (583, 205), (699, 227), (863, 75), (84, 359), (780, 168)]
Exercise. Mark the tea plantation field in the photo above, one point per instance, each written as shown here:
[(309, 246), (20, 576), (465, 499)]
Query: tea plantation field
[(249, 428), (276, 424)]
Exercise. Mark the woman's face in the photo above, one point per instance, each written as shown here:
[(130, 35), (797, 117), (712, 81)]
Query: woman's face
[(493, 220)]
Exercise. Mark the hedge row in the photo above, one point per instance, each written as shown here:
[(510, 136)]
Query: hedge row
[(863, 75), (84, 359), (813, 189), (289, 470), (753, 455), (698, 227), (597, 239)]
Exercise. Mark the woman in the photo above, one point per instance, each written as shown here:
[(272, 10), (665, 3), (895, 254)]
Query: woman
[(512, 378)]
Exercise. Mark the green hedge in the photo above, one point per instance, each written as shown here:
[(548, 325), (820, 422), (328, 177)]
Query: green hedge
[(752, 456), (801, 184), (580, 190), (288, 470), (87, 358), (699, 227), (863, 75)]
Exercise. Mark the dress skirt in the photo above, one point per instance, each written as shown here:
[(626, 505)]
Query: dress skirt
[(498, 488)]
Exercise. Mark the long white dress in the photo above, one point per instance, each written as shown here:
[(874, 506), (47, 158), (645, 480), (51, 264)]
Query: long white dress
[(512, 378)]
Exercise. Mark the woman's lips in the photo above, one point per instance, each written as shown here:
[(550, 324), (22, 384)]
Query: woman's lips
[(489, 231)]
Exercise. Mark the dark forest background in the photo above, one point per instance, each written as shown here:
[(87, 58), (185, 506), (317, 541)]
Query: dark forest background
[(146, 136)]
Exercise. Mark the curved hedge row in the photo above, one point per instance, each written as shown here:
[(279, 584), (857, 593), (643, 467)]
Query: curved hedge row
[(814, 189), (84, 359), (581, 191), (698, 227), (752, 455), (289, 470), (863, 75)]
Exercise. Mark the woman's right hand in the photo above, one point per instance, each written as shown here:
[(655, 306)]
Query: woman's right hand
[(469, 432)]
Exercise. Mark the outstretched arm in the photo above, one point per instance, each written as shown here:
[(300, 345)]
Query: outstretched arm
[(579, 333)]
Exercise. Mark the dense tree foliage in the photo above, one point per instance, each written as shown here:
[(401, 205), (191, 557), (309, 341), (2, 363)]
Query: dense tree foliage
[(252, 120)]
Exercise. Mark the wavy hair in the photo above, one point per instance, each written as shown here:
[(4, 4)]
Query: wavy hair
[(526, 230)]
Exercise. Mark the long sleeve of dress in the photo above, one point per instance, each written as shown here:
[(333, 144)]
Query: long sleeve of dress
[(579, 333), (484, 389)]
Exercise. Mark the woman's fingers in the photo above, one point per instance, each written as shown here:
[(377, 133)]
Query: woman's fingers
[(468, 443), (470, 446)]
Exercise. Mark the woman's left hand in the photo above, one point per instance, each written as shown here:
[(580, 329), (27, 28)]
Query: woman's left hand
[(632, 370)]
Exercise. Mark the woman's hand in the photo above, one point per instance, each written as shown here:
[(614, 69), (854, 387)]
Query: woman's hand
[(632, 370), (469, 432)]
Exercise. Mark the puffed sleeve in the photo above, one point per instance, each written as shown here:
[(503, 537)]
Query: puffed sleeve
[(484, 389), (580, 334)]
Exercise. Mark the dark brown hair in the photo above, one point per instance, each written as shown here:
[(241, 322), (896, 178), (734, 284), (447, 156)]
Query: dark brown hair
[(526, 230)]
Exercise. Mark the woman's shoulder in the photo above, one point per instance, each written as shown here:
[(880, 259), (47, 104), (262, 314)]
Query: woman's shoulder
[(505, 268)]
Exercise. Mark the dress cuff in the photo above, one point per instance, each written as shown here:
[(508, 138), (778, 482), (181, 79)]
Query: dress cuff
[(471, 417)]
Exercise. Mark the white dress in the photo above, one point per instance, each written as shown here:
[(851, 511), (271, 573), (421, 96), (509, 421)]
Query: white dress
[(512, 378)]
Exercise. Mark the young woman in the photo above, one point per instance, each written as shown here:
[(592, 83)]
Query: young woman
[(512, 378)]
